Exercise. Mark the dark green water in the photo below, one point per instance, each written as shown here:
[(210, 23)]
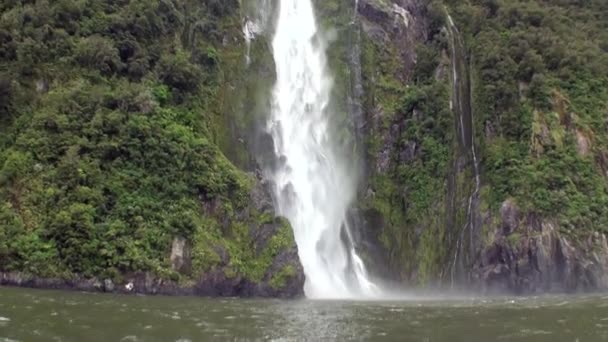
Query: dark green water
[(34, 315)]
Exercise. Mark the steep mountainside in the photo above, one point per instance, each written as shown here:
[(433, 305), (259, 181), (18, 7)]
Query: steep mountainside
[(486, 142), (130, 139), (114, 118)]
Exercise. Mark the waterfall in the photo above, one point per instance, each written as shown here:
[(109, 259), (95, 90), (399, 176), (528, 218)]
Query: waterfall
[(461, 106), (313, 187), (248, 34)]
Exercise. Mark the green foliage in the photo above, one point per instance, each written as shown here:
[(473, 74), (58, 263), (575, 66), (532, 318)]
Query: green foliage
[(342, 38), (539, 103), (416, 130), (279, 279), (108, 148), (99, 53), (16, 163), (428, 61), (537, 67), (179, 73)]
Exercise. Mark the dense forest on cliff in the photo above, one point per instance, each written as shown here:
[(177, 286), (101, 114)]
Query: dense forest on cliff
[(119, 130), (540, 91), (109, 131), (537, 75)]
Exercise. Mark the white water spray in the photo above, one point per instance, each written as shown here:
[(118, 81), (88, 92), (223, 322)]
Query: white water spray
[(313, 188)]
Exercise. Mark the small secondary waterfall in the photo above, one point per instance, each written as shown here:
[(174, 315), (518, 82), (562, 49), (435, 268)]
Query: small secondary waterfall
[(355, 98), (461, 106), (313, 187), (255, 24)]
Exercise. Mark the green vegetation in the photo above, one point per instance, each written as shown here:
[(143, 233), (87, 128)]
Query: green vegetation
[(280, 279), (111, 114), (414, 136), (541, 70), (341, 37), (126, 124)]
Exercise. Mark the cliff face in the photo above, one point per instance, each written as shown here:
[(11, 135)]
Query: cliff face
[(131, 133), (409, 131), (466, 150), (530, 255), (123, 155)]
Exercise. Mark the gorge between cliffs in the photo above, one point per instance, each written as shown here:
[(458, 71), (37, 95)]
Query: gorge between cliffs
[(332, 149)]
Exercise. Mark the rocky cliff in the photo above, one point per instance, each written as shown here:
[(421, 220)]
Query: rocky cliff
[(467, 183), (131, 134)]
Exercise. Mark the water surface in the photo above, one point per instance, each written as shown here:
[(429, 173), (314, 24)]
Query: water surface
[(37, 315)]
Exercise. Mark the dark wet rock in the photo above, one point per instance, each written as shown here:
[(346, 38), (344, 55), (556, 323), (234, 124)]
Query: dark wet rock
[(369, 225), (529, 256), (261, 195), (397, 22), (408, 152), (219, 282), (383, 161), (510, 217), (395, 28), (108, 285), (383, 158), (398, 25), (263, 227), (181, 251), (25, 280), (265, 150)]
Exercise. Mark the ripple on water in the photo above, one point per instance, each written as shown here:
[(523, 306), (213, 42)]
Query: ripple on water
[(4, 321), (528, 332)]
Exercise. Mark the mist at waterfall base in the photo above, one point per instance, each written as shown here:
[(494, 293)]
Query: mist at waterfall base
[(314, 186)]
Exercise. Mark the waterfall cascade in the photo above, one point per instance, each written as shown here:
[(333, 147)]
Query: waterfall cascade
[(461, 106), (314, 189)]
